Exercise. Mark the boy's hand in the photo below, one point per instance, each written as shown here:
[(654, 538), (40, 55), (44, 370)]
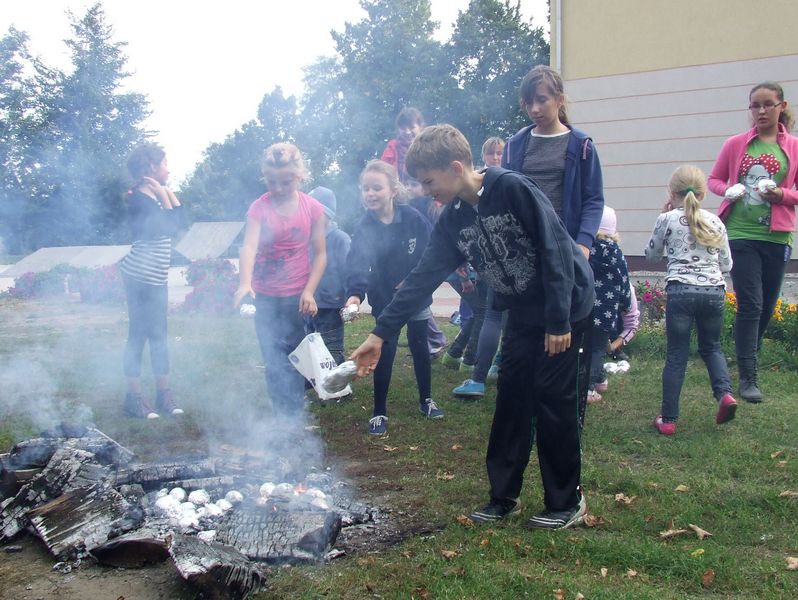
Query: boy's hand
[(554, 344), (367, 355), (585, 250), (353, 300)]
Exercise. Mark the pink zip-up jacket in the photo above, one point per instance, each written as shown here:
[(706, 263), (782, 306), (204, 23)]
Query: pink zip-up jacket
[(725, 173)]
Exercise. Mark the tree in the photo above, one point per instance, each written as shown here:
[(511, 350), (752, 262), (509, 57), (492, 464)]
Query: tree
[(491, 50), (90, 125), (229, 177)]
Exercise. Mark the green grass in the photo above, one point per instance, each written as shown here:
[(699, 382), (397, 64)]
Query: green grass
[(733, 480)]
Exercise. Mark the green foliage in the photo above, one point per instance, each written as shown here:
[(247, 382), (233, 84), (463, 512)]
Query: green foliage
[(215, 281), (65, 138), (651, 300)]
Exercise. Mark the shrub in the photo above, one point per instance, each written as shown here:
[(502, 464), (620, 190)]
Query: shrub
[(651, 300), (215, 281), (102, 285), (41, 285)]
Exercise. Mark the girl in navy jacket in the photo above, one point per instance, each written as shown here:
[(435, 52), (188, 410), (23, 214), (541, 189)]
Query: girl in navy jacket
[(388, 242)]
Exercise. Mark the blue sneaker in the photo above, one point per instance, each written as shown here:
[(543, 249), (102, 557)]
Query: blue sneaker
[(469, 389), (493, 373), (377, 425), (430, 410)]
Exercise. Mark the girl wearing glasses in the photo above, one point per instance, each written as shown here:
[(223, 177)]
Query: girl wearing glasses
[(756, 173)]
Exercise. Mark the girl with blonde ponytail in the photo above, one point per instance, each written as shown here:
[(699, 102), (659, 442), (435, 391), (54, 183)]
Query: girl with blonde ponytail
[(697, 250)]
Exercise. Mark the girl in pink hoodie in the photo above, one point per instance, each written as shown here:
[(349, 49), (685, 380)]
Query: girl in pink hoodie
[(756, 173)]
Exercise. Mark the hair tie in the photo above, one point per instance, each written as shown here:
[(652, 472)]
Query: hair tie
[(689, 190)]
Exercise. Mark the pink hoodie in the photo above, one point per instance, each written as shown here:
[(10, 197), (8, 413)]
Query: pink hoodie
[(725, 174)]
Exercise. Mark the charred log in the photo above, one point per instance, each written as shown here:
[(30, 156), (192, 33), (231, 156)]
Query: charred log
[(219, 571), (210, 484), (80, 520), (275, 535), (153, 476), (67, 470), (134, 549)]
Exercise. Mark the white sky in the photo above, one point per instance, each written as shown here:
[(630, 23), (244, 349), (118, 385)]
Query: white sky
[(205, 66)]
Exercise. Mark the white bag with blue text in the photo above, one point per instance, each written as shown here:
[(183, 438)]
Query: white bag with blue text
[(312, 359)]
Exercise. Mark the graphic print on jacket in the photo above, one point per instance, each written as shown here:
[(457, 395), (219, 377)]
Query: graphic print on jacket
[(498, 242)]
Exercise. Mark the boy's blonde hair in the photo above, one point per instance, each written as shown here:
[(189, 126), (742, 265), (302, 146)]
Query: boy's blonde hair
[(382, 167), (436, 147), (689, 183), (491, 143), (281, 155)]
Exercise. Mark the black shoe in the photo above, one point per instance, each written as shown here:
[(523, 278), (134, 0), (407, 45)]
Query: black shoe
[(749, 391), (619, 355), (559, 519), (496, 510)]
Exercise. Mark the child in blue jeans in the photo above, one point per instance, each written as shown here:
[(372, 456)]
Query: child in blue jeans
[(695, 242)]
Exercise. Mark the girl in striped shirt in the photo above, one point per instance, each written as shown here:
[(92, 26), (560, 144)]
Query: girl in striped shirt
[(155, 215)]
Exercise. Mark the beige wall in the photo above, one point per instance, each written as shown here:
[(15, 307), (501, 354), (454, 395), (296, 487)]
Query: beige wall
[(608, 37), (651, 104)]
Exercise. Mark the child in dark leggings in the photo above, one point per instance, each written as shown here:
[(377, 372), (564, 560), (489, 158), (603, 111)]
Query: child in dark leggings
[(387, 243)]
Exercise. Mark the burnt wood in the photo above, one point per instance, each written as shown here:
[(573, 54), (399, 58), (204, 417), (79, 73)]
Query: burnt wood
[(219, 571)]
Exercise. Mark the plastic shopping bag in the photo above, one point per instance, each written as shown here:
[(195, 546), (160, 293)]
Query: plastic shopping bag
[(312, 359)]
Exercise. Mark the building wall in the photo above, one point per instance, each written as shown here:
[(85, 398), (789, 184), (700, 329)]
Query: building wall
[(658, 84)]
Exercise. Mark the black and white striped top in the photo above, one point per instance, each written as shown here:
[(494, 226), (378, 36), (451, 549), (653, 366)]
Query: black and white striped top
[(152, 227)]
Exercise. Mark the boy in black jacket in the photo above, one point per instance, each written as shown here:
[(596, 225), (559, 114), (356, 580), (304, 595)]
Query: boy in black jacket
[(502, 224)]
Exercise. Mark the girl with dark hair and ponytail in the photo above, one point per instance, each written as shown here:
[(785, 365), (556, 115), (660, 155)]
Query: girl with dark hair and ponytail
[(697, 249), (756, 173)]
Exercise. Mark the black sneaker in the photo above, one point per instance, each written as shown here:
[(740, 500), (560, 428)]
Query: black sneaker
[(496, 510), (749, 390), (559, 519), (136, 406)]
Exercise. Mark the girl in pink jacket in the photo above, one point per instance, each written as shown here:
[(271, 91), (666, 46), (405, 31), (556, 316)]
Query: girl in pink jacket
[(756, 173)]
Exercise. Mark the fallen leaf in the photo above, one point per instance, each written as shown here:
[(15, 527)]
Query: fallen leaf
[(631, 573), (708, 578), (604, 571), (624, 500), (490, 532), (652, 485), (421, 593), (485, 542), (579, 596), (682, 488), (668, 534), (445, 476), (701, 533), (449, 554), (788, 494), (559, 594), (464, 520), (792, 563), (777, 453), (369, 588), (781, 463), (407, 554), (593, 520), (413, 448), (457, 447), (697, 552), (636, 441), (390, 448)]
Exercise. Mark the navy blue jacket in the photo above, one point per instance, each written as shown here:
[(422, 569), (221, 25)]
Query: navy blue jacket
[(517, 244), (331, 292), (583, 187), (382, 255)]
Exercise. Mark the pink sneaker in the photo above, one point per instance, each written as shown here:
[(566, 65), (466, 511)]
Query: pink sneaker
[(726, 409), (602, 386), (593, 396), (664, 428)]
